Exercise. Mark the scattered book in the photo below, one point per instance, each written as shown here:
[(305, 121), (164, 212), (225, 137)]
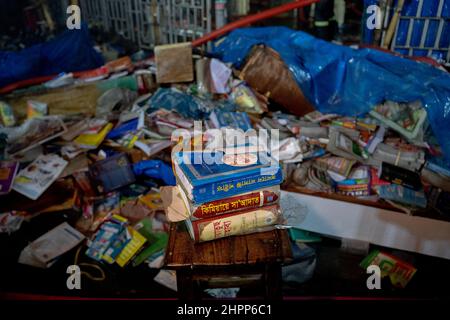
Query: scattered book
[(36, 132), (132, 248), (39, 175), (112, 173), (7, 118), (44, 251), (235, 120), (399, 272), (93, 140), (8, 171), (110, 240)]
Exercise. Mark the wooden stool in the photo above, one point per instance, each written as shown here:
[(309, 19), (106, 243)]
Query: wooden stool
[(227, 263)]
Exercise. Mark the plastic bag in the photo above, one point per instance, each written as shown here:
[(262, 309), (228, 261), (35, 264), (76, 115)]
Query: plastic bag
[(155, 169), (72, 51)]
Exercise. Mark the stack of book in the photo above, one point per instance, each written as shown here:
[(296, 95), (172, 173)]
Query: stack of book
[(228, 194)]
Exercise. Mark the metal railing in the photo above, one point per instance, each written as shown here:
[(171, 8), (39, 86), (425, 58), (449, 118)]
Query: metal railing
[(151, 22)]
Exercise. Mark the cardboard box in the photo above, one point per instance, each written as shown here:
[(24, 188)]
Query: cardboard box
[(174, 63)]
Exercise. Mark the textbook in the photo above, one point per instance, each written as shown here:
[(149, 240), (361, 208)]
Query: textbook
[(237, 223), (229, 175), (249, 200)]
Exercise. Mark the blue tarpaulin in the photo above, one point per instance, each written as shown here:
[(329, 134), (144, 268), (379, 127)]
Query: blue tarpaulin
[(346, 81), (69, 52)]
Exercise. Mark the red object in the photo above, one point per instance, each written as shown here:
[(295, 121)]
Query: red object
[(252, 19)]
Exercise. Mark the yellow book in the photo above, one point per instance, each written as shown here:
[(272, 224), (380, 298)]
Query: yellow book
[(130, 250), (93, 141)]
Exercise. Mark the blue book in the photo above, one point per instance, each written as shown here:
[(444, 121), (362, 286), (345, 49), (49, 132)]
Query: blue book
[(235, 120), (208, 177)]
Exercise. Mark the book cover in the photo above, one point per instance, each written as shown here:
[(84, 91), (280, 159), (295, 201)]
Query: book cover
[(249, 200), (238, 223), (93, 141), (229, 175), (8, 171), (235, 120), (132, 248), (39, 175), (112, 173), (44, 251), (110, 240)]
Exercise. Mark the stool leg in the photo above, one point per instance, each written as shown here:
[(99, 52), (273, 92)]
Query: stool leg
[(272, 282), (185, 285)]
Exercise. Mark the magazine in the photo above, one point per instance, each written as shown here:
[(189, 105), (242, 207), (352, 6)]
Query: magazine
[(39, 175)]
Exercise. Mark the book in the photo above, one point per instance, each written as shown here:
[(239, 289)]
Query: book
[(343, 146), (339, 165), (8, 171), (39, 175), (406, 119), (235, 120), (228, 175), (156, 241), (44, 251), (36, 109), (7, 118), (132, 248), (399, 194), (249, 200), (410, 160), (110, 240), (152, 148), (35, 132), (238, 223), (398, 271), (75, 129), (93, 140), (112, 173), (397, 175)]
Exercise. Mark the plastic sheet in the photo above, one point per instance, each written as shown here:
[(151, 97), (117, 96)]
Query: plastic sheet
[(155, 169), (346, 81), (71, 51), (187, 105)]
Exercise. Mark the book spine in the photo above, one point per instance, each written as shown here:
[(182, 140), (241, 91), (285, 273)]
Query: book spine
[(233, 224), (224, 189), (233, 204)]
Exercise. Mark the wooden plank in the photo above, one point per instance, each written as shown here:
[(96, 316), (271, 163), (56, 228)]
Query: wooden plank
[(377, 226), (266, 247), (174, 63), (61, 101), (340, 197)]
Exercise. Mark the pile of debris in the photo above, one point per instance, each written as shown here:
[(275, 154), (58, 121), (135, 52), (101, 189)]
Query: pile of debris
[(108, 162)]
